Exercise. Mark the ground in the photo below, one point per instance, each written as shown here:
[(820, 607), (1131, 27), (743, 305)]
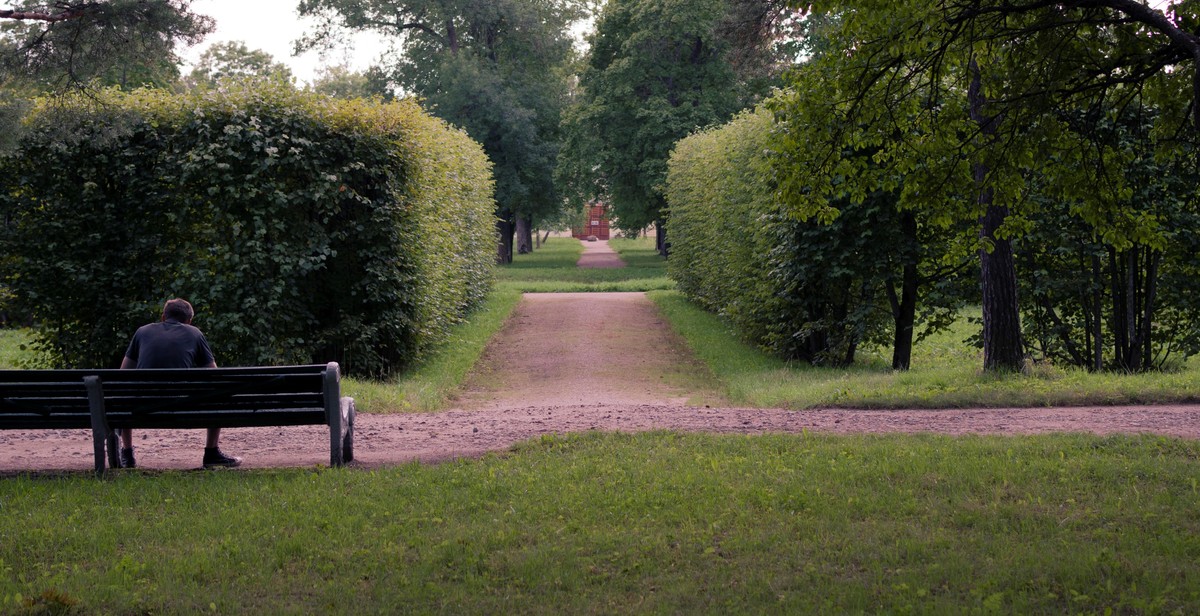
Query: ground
[(569, 363)]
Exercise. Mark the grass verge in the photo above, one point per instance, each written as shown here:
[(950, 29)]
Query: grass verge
[(11, 341), (552, 269), (428, 385), (649, 523), (945, 374)]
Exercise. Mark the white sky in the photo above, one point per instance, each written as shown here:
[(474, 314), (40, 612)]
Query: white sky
[(273, 26)]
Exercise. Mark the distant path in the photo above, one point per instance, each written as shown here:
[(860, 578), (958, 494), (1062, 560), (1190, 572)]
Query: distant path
[(585, 348), (599, 255)]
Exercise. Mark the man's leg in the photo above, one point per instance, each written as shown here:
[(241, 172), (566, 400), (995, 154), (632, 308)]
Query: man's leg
[(212, 452), (127, 460)]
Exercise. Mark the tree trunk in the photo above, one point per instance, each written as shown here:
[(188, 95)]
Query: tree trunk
[(505, 228), (1002, 347), (1153, 258), (1133, 293), (904, 305), (660, 238), (1134, 279), (524, 234), (1097, 316), (1120, 317)]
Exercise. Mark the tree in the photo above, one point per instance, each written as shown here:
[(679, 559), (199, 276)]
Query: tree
[(496, 69), (1100, 304), (234, 60), (966, 98), (340, 81), (657, 71), (72, 44)]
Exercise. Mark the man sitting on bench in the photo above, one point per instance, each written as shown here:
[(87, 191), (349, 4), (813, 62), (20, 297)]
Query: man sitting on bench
[(173, 343)]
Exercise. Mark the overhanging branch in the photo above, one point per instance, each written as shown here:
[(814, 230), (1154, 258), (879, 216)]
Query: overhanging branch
[(68, 14)]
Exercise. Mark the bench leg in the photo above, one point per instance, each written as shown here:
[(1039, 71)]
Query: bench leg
[(98, 440), (114, 450), (335, 441), (100, 430), (341, 433), (348, 414)]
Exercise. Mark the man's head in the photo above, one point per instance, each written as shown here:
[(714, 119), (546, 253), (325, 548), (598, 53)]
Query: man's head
[(178, 310)]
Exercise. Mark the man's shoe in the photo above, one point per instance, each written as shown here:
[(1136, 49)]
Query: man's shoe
[(213, 458), (127, 460)]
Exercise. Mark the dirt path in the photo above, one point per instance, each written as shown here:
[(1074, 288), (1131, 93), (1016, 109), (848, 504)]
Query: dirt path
[(585, 349), (599, 254), (566, 363), (385, 440)]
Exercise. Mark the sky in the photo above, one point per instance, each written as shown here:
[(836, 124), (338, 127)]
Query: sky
[(273, 26)]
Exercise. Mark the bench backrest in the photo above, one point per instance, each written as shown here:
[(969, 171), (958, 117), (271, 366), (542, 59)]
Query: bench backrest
[(43, 399)]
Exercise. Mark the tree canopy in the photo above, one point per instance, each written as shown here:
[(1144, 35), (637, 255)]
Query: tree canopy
[(71, 44), (340, 81), (960, 102), (496, 69), (657, 70), (234, 60)]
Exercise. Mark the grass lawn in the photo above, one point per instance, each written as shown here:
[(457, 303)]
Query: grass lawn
[(11, 341), (652, 523), (946, 373), (649, 523), (551, 269)]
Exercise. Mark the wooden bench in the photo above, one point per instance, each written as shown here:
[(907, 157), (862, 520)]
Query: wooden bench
[(105, 400)]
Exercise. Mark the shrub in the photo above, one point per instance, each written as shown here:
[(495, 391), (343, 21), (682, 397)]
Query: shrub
[(302, 228), (803, 289)]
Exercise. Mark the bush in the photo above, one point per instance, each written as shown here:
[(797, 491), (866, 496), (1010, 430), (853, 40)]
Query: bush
[(303, 229), (804, 290)]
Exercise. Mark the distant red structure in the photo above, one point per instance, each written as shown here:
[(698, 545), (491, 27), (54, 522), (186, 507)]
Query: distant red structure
[(596, 223)]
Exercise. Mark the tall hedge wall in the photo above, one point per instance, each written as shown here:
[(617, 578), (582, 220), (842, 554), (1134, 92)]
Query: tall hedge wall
[(803, 290), (722, 224), (302, 228)]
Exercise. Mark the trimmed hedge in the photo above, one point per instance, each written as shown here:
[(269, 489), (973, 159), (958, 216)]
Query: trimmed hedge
[(302, 228), (802, 290), (721, 223)]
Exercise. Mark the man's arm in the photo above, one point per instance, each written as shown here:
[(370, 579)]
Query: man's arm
[(127, 363)]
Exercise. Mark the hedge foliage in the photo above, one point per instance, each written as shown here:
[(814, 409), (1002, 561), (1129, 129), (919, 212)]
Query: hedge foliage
[(302, 228), (721, 221), (803, 290)]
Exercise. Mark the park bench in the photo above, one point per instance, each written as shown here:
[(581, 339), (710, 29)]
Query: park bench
[(106, 400)]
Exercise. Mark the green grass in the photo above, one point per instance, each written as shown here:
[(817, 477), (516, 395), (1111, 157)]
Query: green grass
[(552, 269), (11, 341), (652, 523), (649, 523), (946, 373), (431, 381)]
